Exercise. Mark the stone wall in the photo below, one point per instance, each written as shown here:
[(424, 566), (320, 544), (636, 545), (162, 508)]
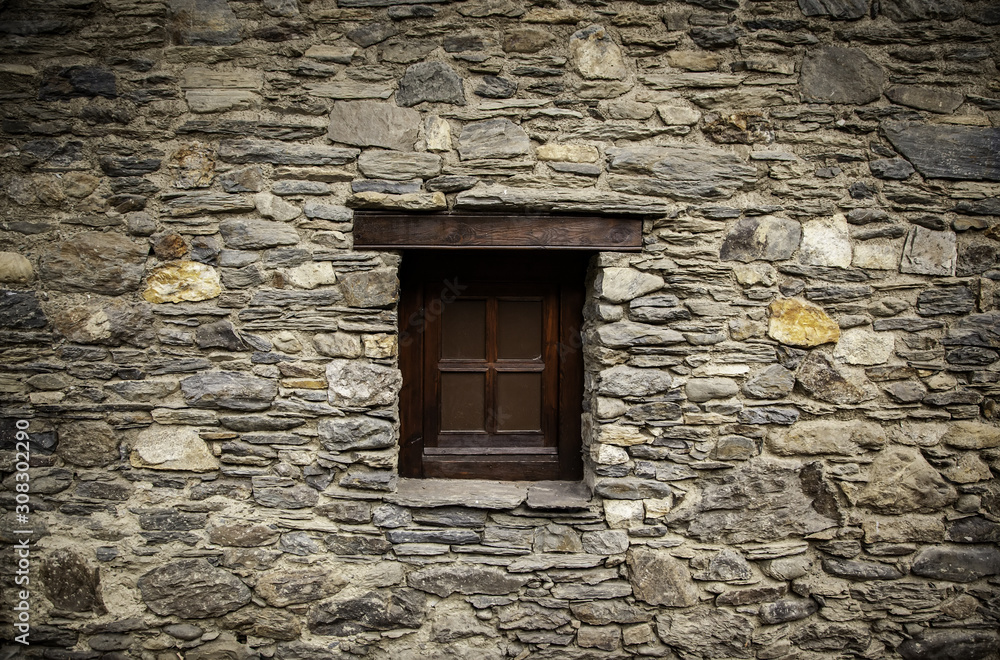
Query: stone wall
[(792, 392)]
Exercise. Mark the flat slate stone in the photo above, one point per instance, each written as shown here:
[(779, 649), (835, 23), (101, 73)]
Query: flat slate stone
[(928, 252), (465, 579), (582, 201), (478, 494), (494, 138), (78, 82), (921, 97), (192, 589), (831, 74), (230, 390), (281, 153), (256, 234), (20, 309), (559, 496), (204, 23), (686, 173), (399, 165), (905, 11), (767, 238), (958, 564), (435, 82), (842, 10), (105, 263), (948, 152), (373, 124)]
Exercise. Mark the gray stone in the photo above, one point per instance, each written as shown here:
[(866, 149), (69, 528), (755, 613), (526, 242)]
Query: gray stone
[(946, 300), (192, 589), (707, 632), (434, 82), (820, 437), (447, 492), (247, 179), (933, 99), (861, 570), (625, 381), (387, 187), (900, 480), (282, 153), (198, 202), (578, 200), (283, 588), (94, 262), (495, 87), (726, 566), (832, 74), (928, 252), (626, 284), (716, 37), (950, 645), (204, 23), (70, 583), (958, 564), (629, 333), (948, 152), (21, 310), (823, 379), (774, 382), (767, 238), (494, 138), (789, 500), (700, 390), (87, 444), (904, 11), (240, 234), (374, 610), (450, 183), (465, 579), (595, 55), (78, 82), (632, 488), (231, 390), (399, 166), (897, 169), (659, 579), (606, 542), (684, 173), (558, 496), (362, 384), (785, 611), (842, 10), (369, 34), (220, 334), (243, 534), (357, 432), (294, 497), (832, 636)]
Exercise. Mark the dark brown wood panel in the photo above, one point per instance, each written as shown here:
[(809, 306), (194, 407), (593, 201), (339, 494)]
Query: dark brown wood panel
[(375, 229)]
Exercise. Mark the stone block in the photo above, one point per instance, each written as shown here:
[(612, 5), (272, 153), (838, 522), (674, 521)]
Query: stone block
[(373, 124)]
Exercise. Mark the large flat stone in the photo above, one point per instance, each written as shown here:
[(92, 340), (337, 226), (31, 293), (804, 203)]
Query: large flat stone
[(900, 480), (824, 379), (94, 262), (766, 238), (240, 234), (231, 390), (282, 153), (790, 500), (799, 323), (948, 152), (586, 200), (832, 74), (374, 610), (362, 384), (21, 309), (958, 564), (435, 82), (843, 10), (356, 432), (192, 589), (494, 138), (467, 579), (660, 579), (929, 252), (684, 173), (707, 632), (398, 165), (496, 495), (181, 281), (595, 55), (373, 124), (204, 23)]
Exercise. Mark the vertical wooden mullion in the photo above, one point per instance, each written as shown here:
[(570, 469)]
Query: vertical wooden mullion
[(432, 372), (550, 375), (492, 350)]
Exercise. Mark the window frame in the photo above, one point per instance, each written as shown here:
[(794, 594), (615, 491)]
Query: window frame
[(563, 272)]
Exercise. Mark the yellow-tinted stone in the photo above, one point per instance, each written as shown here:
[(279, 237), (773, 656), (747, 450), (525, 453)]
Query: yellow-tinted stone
[(568, 153), (15, 268), (182, 281), (304, 383), (799, 323)]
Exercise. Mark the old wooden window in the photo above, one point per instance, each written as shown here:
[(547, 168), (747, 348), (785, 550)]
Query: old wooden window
[(489, 331), (492, 366)]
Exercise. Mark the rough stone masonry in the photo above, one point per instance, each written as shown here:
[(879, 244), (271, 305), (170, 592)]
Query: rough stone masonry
[(791, 410)]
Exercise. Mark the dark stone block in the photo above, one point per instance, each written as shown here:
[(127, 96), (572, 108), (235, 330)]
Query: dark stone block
[(897, 169), (975, 529), (958, 564), (861, 570), (192, 589), (972, 356), (129, 165), (948, 152), (494, 87), (375, 610), (832, 74), (372, 33), (434, 82), (904, 11), (203, 23), (716, 37), (946, 300), (78, 82), (841, 10), (20, 310), (951, 645)]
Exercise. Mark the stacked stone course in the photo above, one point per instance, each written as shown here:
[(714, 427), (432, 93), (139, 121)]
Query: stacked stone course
[(791, 402)]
